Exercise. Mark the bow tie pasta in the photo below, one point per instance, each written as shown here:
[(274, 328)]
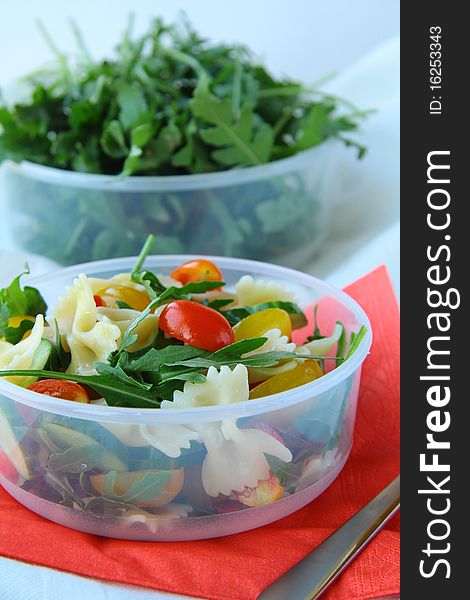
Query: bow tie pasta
[(226, 386), (251, 292), (146, 330), (88, 339), (236, 458)]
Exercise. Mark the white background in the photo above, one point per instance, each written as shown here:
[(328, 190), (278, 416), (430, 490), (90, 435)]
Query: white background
[(302, 38)]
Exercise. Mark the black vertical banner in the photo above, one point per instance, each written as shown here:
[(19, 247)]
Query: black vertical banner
[(435, 270)]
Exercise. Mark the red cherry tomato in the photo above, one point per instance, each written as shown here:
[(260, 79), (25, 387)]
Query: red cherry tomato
[(196, 324), (197, 270), (6, 468), (99, 301), (67, 390)]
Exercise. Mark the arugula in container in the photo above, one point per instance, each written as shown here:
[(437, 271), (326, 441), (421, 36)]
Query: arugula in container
[(168, 103)]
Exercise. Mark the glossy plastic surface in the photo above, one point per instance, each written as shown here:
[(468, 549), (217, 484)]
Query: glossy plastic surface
[(276, 212), (180, 474)]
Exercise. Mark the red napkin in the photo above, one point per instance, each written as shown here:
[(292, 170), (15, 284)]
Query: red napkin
[(239, 567)]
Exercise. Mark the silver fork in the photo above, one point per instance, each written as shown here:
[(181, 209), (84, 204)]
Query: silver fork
[(310, 577)]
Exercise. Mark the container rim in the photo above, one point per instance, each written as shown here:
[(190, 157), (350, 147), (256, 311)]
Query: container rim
[(200, 414), (238, 176)]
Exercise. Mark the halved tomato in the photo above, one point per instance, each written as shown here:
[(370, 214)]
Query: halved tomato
[(98, 300), (196, 324), (136, 299), (197, 270), (303, 373), (67, 390), (153, 497), (258, 323)]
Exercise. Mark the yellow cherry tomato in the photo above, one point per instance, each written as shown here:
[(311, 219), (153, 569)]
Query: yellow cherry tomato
[(303, 373), (136, 299), (16, 321), (257, 324)]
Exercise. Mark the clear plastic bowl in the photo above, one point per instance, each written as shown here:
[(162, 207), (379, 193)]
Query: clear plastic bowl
[(276, 212), (65, 450)]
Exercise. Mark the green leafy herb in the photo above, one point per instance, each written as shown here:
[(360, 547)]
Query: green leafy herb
[(113, 389), (145, 489), (238, 144), (78, 459), (355, 341), (59, 359), (17, 302), (153, 359), (316, 330), (341, 347), (235, 315), (168, 103)]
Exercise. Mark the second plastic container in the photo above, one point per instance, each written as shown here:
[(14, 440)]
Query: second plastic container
[(276, 212)]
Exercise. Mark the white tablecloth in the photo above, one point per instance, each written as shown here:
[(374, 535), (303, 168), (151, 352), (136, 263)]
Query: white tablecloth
[(365, 235)]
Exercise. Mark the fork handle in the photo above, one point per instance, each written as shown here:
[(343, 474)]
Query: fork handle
[(309, 578)]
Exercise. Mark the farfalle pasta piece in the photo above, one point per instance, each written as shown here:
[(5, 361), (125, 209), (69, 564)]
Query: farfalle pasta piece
[(146, 330), (21, 355), (251, 291), (88, 339), (226, 386), (98, 284), (169, 439), (236, 457), (315, 467), (322, 346), (276, 342), (319, 347)]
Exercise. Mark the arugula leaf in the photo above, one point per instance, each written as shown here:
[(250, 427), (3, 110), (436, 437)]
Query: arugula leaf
[(235, 315), (59, 359), (219, 303), (79, 459), (145, 489), (237, 349), (132, 104), (316, 330), (120, 374), (341, 347), (114, 390), (12, 334), (239, 144), (27, 301), (355, 341), (178, 361), (113, 141), (312, 131), (154, 359), (17, 302)]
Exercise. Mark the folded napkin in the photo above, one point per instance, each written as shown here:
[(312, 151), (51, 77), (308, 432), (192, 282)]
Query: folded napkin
[(239, 567)]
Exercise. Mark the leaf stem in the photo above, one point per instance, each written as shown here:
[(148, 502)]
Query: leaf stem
[(80, 42), (61, 57), (236, 91), (143, 254)]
